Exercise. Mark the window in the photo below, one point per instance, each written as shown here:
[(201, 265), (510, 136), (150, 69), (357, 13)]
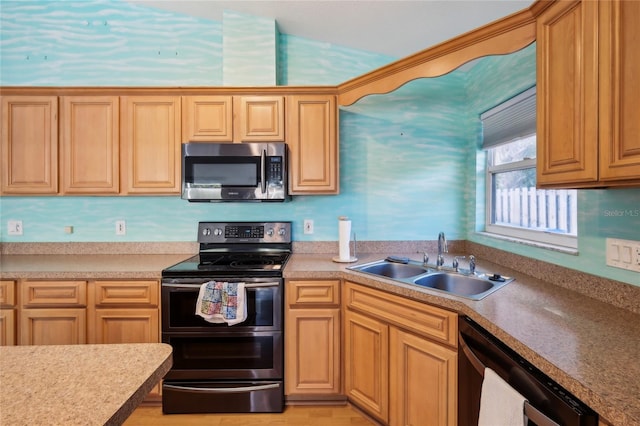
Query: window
[(514, 207)]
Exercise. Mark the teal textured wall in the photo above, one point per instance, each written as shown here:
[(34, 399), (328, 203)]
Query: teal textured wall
[(409, 163)]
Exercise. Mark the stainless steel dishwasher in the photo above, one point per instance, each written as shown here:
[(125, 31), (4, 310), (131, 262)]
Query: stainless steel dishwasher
[(548, 403)]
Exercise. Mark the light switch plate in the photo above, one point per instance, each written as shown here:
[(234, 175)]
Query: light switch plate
[(14, 227), (623, 254)]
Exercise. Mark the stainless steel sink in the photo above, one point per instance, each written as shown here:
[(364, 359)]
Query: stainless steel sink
[(471, 286), (461, 285), (393, 270)]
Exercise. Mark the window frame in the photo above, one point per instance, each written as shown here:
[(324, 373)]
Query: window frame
[(524, 235)]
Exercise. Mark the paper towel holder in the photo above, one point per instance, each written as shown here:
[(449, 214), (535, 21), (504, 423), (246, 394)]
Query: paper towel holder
[(353, 258)]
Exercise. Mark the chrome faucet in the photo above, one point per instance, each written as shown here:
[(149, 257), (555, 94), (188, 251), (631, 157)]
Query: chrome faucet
[(442, 248)]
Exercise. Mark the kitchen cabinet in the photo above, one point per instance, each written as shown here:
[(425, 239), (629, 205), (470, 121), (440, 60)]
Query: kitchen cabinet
[(52, 312), (313, 144), (587, 104), (312, 340), (366, 364), (259, 118), (7, 313), (221, 118), (90, 142), (123, 311), (150, 137), (207, 118), (29, 145), (400, 358)]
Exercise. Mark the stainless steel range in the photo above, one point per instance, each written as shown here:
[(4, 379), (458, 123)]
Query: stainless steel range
[(218, 367)]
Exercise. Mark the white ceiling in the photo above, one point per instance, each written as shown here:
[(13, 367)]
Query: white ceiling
[(395, 28)]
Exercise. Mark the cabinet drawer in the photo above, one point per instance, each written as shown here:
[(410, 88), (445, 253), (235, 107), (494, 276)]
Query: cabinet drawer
[(53, 293), (7, 293), (111, 293), (430, 321), (325, 293)]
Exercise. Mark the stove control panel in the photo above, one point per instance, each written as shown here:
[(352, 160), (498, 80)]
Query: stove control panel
[(244, 232)]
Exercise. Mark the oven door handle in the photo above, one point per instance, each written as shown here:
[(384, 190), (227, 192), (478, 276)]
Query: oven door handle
[(223, 390), (251, 285)]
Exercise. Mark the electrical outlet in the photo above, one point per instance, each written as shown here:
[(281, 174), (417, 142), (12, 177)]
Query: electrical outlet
[(623, 254), (14, 227), (121, 227), (308, 226)]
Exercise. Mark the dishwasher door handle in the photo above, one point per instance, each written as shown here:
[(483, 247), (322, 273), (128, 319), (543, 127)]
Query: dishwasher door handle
[(530, 411)]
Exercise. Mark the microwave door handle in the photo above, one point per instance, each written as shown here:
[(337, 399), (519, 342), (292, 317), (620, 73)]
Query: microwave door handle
[(263, 177)]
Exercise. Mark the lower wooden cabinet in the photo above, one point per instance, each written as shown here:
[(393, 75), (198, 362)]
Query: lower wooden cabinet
[(7, 313), (400, 358), (53, 326), (52, 313), (423, 381), (125, 311), (366, 358), (312, 340)]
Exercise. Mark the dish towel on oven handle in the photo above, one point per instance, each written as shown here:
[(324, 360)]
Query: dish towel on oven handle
[(222, 302)]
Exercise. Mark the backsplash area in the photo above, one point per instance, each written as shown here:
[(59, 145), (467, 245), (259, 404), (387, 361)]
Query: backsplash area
[(407, 159)]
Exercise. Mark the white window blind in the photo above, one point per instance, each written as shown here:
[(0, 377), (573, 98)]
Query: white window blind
[(512, 119)]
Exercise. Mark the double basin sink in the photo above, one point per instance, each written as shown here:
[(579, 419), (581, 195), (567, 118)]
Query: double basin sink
[(471, 286)]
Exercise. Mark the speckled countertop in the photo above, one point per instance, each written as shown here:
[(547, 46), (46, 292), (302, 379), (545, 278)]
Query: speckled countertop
[(590, 347), (581, 330), (77, 384)]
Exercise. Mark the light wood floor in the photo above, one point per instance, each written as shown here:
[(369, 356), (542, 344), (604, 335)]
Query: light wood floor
[(295, 415)]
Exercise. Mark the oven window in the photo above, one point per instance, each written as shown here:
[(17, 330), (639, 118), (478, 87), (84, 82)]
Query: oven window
[(229, 352), (260, 303)]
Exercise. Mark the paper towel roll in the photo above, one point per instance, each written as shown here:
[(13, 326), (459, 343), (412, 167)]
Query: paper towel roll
[(344, 237)]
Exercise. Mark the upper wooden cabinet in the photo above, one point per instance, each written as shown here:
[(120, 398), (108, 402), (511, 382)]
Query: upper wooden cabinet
[(259, 118), (150, 157), (207, 118), (219, 118), (313, 144), (588, 127), (90, 144), (29, 145)]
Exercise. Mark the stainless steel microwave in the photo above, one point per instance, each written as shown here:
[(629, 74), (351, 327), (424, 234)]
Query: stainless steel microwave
[(234, 171)]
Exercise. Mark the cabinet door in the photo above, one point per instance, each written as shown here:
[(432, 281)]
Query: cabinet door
[(259, 118), (7, 327), (366, 358), (619, 88), (53, 326), (313, 144), (207, 119), (131, 325), (150, 158), (423, 382), (29, 145), (312, 351), (567, 73), (90, 144)]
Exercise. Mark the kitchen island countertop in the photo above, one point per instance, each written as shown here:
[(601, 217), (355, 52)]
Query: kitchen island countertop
[(78, 384)]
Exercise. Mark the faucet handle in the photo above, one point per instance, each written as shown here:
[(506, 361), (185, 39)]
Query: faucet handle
[(472, 264), (456, 263), (425, 258)]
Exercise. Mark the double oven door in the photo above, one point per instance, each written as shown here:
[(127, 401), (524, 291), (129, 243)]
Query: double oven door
[(222, 368)]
